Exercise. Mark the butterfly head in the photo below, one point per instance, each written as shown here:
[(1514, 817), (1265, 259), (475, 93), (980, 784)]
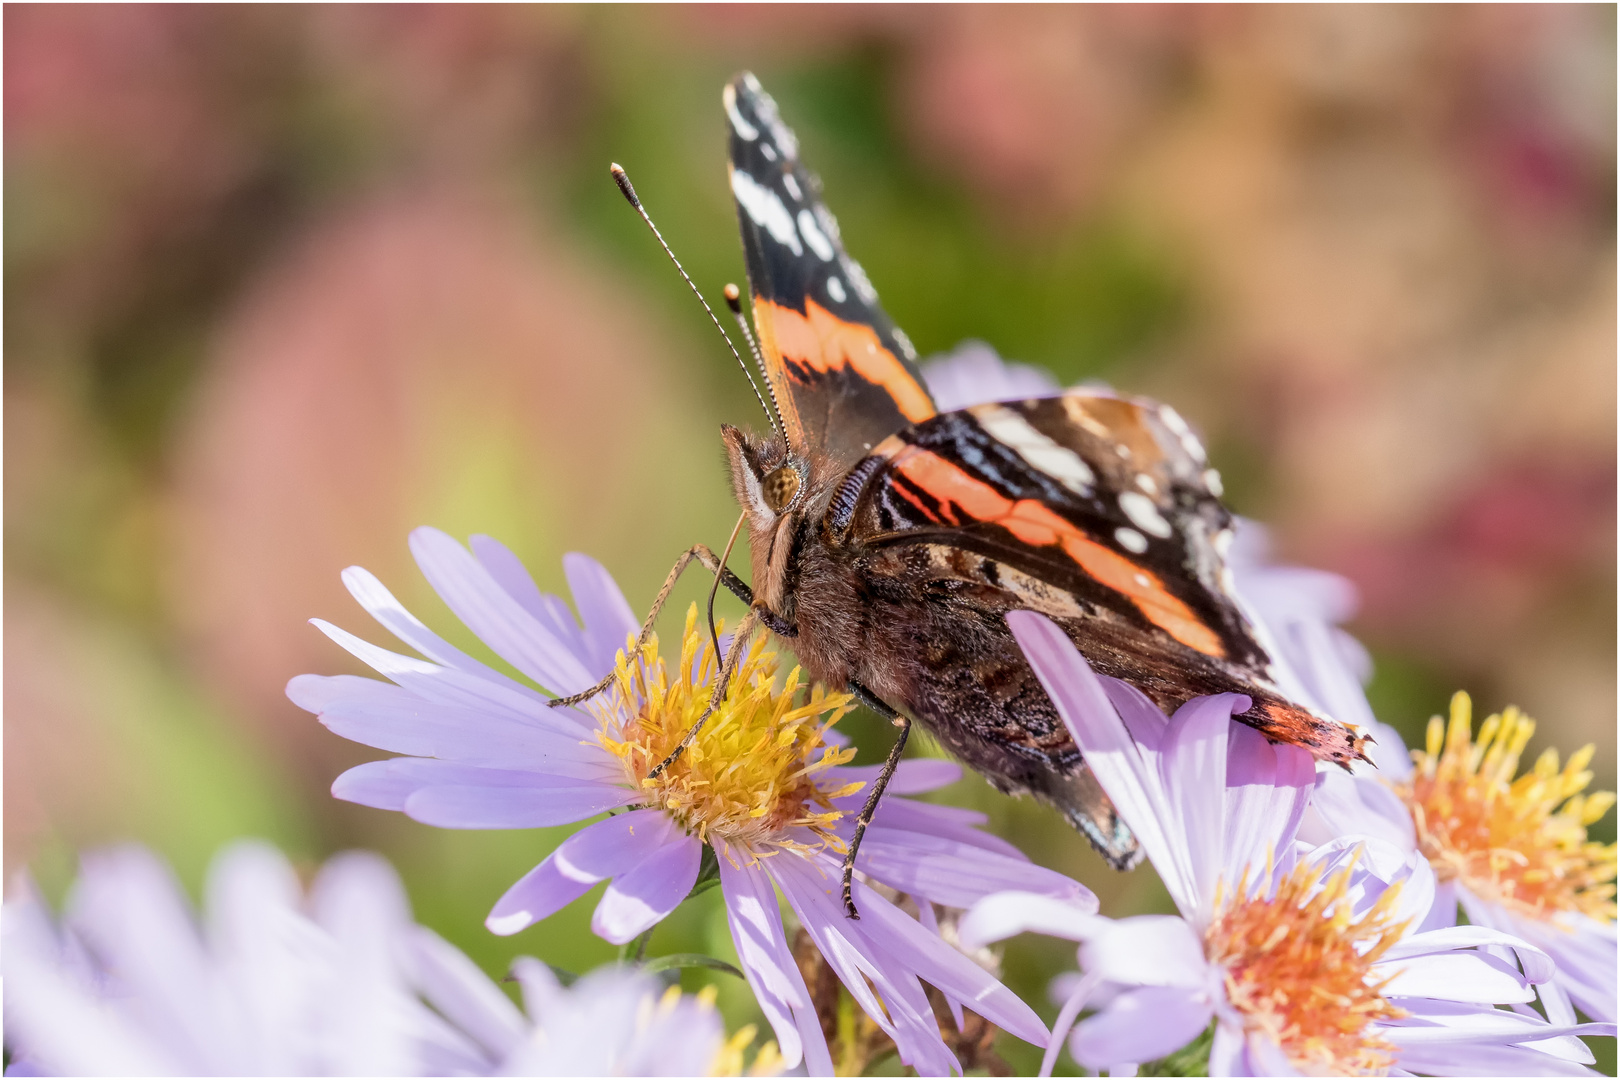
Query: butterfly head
[(773, 485)]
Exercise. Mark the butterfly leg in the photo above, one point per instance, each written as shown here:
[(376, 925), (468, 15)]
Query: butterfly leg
[(702, 554), (739, 648), (879, 706)]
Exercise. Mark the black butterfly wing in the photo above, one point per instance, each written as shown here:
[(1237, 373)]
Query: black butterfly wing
[(844, 376)]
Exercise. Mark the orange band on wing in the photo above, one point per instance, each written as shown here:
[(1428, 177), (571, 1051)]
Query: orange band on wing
[(1034, 523), (824, 342)]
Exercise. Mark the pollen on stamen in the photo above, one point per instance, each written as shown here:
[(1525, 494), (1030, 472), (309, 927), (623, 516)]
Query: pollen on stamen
[(1298, 968), (756, 773), (1520, 842)]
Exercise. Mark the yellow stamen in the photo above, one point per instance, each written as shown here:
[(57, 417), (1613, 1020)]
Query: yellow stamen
[(1520, 842), (1298, 967), (755, 769)]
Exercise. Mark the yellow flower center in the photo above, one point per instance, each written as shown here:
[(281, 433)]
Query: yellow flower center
[(1520, 842), (1298, 967), (755, 770)]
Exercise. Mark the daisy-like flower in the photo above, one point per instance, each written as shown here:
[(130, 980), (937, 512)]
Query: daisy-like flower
[(1512, 851), (765, 784), (338, 982), (1306, 961)]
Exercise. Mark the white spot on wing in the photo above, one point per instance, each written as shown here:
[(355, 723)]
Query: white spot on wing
[(904, 342), (857, 277), (813, 236), (1173, 421), (1037, 448), (1143, 514), (764, 208), (1145, 482), (792, 186), (1131, 540), (1142, 580), (1212, 480), (835, 289), (746, 131)]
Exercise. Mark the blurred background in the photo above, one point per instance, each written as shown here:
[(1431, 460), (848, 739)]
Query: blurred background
[(284, 283)]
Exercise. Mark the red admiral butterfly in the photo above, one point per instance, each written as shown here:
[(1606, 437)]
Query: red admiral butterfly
[(889, 540)]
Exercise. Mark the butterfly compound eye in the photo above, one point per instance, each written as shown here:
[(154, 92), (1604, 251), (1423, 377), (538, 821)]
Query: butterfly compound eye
[(780, 486)]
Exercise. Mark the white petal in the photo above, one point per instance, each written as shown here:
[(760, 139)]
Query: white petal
[(1456, 976), (1147, 950), (1004, 914)]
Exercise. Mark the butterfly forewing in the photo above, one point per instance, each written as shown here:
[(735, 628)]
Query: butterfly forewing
[(844, 375)]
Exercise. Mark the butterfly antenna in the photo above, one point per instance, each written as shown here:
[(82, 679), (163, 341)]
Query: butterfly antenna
[(733, 297), (622, 178)]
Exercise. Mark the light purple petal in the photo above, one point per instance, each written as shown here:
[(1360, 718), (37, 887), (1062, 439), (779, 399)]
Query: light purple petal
[(1440, 1023), (972, 374), (1144, 720), (929, 819), (458, 989), (1193, 768), (390, 785), (863, 964), (1227, 1054), (1141, 1025), (374, 596), (514, 578), (913, 777), (1538, 966), (392, 718), (762, 950), (955, 874), (1148, 950), (1486, 1060), (1583, 947), (640, 898), (449, 686), (1135, 791), (1002, 915), (936, 962), (1361, 805), (1458, 976), (552, 800), (607, 616), (376, 784), (128, 908), (491, 613), (1267, 791), (596, 852)]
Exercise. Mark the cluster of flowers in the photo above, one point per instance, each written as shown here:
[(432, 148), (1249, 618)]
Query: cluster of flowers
[(1318, 928)]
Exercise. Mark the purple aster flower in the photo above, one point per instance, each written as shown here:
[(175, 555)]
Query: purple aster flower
[(1307, 960), (340, 982), (1512, 852), (764, 784), (614, 1022)]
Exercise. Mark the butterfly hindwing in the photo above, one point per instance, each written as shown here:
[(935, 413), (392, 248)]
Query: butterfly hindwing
[(843, 374), (1096, 510)]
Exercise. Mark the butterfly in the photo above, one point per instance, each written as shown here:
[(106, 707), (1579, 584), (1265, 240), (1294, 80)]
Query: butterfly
[(889, 540)]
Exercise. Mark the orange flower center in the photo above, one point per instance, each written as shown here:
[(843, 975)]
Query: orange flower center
[(1520, 842), (1299, 968)]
